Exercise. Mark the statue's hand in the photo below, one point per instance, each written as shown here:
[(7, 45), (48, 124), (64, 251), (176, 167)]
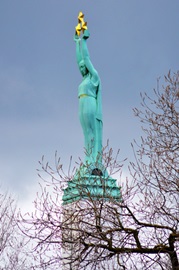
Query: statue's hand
[(86, 34), (76, 38)]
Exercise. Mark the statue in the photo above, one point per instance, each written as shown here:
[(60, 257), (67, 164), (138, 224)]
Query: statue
[(91, 180), (89, 94)]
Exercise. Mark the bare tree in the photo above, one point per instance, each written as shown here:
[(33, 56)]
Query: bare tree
[(13, 252), (139, 230), (157, 162)]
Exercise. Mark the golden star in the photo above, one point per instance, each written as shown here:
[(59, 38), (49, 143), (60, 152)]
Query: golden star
[(80, 16), (84, 26), (78, 29)]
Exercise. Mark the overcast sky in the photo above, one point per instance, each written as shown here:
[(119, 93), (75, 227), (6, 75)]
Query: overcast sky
[(132, 43)]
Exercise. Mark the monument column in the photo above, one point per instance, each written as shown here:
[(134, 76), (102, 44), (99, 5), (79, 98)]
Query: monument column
[(91, 181)]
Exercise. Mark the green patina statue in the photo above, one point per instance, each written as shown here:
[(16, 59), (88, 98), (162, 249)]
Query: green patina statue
[(91, 180), (89, 94)]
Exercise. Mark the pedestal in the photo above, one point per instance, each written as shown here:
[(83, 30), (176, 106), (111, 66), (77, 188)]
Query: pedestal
[(91, 187), (78, 201)]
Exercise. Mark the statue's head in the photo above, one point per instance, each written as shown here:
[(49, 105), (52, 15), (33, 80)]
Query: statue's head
[(83, 68)]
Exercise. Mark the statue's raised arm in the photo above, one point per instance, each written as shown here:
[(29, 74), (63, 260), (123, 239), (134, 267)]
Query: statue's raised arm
[(82, 53), (89, 94)]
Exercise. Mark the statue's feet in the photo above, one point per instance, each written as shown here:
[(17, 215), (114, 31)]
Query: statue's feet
[(97, 172)]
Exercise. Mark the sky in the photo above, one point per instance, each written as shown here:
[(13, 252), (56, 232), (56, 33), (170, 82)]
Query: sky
[(131, 44)]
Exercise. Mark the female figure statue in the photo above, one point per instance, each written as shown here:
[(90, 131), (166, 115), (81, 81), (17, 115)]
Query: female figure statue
[(90, 107)]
